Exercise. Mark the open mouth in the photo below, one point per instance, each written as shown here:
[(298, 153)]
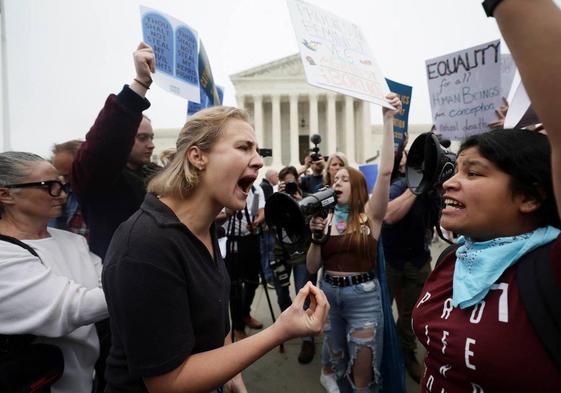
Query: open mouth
[(453, 204), (338, 192), (245, 183)]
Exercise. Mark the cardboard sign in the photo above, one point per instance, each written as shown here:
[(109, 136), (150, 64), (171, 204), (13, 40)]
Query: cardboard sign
[(400, 120), (336, 55), (465, 90), (175, 45)]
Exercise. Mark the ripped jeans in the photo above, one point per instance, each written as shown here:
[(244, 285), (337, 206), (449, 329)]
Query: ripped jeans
[(355, 322)]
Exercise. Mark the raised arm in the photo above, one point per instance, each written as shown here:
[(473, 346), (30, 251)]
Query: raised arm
[(105, 152), (376, 206), (532, 30)]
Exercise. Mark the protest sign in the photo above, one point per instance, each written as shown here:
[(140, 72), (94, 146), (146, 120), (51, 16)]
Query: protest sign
[(465, 90), (335, 54), (206, 102), (508, 70), (175, 45), (370, 172), (400, 120), (518, 107)]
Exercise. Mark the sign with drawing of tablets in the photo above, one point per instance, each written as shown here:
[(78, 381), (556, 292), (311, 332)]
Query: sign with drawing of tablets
[(336, 55), (465, 90), (175, 45)]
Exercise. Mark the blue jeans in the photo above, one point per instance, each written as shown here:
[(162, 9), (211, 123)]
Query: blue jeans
[(267, 254), (353, 308)]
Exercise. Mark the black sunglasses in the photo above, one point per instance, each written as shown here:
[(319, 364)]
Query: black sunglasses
[(55, 187)]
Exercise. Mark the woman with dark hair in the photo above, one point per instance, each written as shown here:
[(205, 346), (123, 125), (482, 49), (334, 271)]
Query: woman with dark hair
[(352, 347), (472, 314)]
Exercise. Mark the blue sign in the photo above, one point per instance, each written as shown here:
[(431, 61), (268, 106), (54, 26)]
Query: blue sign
[(211, 94), (158, 33), (401, 119), (186, 55), (193, 107), (370, 172)]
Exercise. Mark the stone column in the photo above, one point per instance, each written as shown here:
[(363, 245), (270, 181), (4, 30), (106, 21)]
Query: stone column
[(277, 142), (240, 100), (294, 135), (331, 124), (314, 127), (350, 130), (366, 131), (258, 118)]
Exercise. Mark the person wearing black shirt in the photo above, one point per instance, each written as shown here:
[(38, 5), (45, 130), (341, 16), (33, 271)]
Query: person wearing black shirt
[(165, 282)]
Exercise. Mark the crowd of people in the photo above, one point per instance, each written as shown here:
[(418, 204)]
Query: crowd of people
[(113, 277)]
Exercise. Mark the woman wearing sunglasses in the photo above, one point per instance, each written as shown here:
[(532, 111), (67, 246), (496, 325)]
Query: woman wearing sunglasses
[(57, 294)]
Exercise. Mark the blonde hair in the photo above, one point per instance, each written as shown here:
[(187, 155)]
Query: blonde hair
[(202, 130), (341, 157)]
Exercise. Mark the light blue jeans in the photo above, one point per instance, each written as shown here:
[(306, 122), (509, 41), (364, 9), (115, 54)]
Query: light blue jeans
[(353, 308)]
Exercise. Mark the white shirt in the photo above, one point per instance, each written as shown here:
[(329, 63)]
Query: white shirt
[(58, 300)]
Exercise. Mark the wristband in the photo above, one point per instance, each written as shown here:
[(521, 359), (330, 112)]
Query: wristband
[(145, 85), (489, 6)]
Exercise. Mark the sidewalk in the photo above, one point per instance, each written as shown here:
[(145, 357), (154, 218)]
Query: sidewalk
[(280, 372)]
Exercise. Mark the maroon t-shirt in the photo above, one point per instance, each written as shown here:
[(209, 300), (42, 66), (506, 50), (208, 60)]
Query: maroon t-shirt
[(489, 347)]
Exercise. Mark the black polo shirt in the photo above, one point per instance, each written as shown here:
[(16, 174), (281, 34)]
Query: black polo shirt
[(167, 296)]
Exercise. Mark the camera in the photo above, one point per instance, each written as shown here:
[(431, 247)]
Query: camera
[(266, 152), (316, 155), (280, 270), (288, 218), (290, 187), (429, 163)]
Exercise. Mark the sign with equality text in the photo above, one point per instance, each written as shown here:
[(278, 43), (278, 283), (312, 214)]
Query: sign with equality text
[(465, 90), (336, 55), (175, 45), (400, 120)]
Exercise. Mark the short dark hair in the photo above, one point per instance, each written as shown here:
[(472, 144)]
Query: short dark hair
[(526, 157), (288, 170)]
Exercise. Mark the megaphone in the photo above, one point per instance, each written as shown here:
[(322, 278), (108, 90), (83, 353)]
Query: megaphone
[(429, 164), (287, 218)]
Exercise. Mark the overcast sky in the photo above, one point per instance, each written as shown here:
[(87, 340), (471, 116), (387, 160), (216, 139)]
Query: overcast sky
[(66, 56)]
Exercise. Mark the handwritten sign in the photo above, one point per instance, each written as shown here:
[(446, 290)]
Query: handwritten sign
[(465, 90), (175, 45), (400, 120), (336, 55)]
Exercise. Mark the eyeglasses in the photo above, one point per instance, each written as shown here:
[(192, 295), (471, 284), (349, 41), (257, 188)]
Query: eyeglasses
[(55, 187)]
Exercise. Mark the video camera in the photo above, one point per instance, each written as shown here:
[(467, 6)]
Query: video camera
[(288, 218), (429, 163), (316, 155)]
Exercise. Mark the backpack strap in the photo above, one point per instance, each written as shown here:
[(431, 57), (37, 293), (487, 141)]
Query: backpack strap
[(17, 242), (541, 295), (447, 251)]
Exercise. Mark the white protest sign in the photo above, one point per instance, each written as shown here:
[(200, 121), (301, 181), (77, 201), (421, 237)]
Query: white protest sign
[(519, 104), (335, 54), (508, 70), (465, 90), (175, 45)]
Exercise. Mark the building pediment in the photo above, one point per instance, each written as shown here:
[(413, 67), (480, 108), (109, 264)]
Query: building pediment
[(287, 67)]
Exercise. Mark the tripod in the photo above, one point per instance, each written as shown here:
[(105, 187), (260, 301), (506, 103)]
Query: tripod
[(241, 252)]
